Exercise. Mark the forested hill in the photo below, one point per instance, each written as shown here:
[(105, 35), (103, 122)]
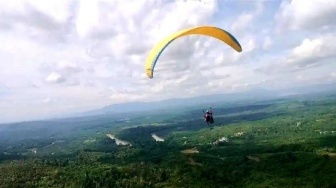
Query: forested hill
[(280, 143)]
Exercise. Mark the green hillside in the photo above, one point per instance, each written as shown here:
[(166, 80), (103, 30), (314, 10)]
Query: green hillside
[(280, 143)]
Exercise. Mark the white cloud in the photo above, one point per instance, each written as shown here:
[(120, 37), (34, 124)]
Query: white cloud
[(244, 20), (55, 77), (305, 79), (309, 15), (311, 50), (310, 53), (250, 45), (69, 67), (87, 17), (94, 52)]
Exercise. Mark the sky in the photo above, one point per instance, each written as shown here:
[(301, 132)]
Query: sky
[(65, 56)]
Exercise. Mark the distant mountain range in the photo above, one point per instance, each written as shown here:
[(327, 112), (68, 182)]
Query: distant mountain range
[(210, 100), (138, 108), (178, 102)]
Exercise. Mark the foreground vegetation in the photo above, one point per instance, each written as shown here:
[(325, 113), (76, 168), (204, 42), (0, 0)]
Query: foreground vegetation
[(280, 143)]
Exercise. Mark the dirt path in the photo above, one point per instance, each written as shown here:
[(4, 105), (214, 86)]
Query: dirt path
[(192, 162), (190, 151), (256, 159)]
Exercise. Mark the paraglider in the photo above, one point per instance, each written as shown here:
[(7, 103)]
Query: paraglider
[(208, 116), (210, 31)]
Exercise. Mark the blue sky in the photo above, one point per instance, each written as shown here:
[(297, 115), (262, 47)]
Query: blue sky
[(66, 56)]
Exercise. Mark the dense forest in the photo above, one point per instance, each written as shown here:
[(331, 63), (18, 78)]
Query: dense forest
[(275, 143)]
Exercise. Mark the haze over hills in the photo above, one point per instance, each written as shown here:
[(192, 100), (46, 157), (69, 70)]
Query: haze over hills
[(180, 102), (136, 108), (253, 94)]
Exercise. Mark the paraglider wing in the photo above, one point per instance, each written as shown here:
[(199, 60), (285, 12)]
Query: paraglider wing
[(210, 31)]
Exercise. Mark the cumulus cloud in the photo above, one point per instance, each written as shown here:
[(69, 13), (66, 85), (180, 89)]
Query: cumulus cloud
[(65, 56), (244, 20), (310, 53), (308, 15), (55, 77)]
